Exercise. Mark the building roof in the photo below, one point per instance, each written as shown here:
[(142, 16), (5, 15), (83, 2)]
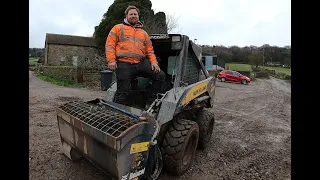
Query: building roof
[(209, 54), (62, 39)]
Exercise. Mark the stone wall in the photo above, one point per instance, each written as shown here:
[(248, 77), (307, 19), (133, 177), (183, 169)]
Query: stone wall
[(61, 72), (63, 54), (92, 78)]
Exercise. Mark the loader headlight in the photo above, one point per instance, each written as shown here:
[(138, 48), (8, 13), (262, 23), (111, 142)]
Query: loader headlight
[(176, 38), (176, 43)]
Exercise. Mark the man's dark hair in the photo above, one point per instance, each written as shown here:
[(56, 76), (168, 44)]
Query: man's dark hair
[(131, 7)]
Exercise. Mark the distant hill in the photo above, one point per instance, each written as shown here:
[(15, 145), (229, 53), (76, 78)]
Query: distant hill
[(36, 52)]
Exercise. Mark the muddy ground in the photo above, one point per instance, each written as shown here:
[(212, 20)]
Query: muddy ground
[(251, 140)]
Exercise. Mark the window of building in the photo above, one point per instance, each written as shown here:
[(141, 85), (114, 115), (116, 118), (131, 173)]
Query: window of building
[(75, 60), (62, 60)]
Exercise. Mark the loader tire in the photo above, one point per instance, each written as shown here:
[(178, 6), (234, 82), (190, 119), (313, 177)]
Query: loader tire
[(205, 120), (179, 146)]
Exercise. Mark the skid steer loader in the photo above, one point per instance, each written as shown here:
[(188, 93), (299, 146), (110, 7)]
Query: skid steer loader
[(131, 142)]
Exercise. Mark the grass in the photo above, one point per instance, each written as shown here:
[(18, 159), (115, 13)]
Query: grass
[(247, 67), (239, 67), (59, 82), (33, 61), (280, 69)]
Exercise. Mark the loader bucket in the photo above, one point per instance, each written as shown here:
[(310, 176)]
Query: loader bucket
[(113, 141)]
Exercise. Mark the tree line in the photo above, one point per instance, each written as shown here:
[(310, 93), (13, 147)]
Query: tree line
[(255, 55), (265, 54), (36, 52)]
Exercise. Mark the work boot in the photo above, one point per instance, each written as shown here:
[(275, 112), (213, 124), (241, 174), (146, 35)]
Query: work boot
[(120, 98)]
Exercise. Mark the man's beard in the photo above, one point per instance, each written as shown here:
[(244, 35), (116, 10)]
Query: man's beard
[(133, 21)]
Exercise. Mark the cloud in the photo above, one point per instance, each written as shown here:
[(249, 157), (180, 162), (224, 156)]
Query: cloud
[(212, 22)]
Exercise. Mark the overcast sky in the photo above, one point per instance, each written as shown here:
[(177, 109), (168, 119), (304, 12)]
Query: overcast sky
[(211, 22)]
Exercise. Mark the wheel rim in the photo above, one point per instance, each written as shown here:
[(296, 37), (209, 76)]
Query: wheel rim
[(244, 82), (223, 79), (189, 149)]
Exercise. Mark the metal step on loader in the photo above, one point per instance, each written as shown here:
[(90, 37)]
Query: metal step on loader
[(131, 142)]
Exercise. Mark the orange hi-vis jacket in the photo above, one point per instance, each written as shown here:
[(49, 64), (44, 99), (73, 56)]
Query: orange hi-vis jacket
[(129, 44)]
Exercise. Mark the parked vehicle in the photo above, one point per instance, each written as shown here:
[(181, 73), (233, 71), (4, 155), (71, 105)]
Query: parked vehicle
[(233, 76)]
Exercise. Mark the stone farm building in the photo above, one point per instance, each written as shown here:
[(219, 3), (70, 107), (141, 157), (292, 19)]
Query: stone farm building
[(68, 50), (74, 56)]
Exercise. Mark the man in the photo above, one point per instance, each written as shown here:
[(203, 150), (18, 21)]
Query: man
[(129, 52)]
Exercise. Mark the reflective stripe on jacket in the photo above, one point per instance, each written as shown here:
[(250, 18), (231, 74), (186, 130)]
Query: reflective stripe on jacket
[(129, 44)]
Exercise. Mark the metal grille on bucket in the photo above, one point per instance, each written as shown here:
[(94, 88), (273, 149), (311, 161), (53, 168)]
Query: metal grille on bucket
[(108, 121)]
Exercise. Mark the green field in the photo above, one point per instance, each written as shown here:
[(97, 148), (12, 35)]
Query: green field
[(247, 67), (33, 61), (239, 67), (280, 69)]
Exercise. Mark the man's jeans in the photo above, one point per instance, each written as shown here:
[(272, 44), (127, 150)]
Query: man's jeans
[(125, 72)]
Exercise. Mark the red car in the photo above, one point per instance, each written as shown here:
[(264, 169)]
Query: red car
[(233, 76)]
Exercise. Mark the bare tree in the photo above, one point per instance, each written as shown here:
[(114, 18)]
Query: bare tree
[(155, 25), (255, 59), (172, 24), (93, 60)]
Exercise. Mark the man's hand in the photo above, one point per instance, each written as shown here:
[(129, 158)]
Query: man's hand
[(112, 66), (155, 68)]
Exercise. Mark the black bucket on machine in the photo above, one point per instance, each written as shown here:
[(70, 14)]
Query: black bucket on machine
[(106, 79)]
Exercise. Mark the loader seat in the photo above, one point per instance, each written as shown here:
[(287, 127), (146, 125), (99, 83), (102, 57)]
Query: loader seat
[(141, 83)]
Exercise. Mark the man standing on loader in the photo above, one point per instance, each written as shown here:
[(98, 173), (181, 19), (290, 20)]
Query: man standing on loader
[(127, 48)]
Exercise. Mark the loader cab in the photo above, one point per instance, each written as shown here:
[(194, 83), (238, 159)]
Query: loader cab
[(178, 57)]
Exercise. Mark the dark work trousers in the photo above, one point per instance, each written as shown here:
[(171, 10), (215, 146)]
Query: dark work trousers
[(125, 72)]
